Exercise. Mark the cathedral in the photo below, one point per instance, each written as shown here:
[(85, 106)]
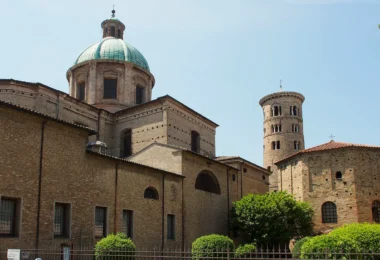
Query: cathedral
[(108, 158)]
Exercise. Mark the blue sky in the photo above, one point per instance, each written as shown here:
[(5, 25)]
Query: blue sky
[(220, 57)]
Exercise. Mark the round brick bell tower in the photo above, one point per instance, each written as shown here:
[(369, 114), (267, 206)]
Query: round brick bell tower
[(283, 129)]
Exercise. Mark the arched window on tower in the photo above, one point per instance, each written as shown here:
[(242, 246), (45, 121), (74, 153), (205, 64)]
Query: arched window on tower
[(276, 110), (272, 126), (195, 142), (376, 211), (112, 31), (151, 193), (338, 175), (126, 143), (297, 145), (278, 145), (293, 110), (329, 213), (207, 181)]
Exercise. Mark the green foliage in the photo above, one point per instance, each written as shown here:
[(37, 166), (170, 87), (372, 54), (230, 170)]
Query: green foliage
[(297, 247), (117, 246), (212, 246), (352, 238), (245, 251), (271, 218), (329, 247)]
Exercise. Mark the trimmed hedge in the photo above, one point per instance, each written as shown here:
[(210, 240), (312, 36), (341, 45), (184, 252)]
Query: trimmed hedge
[(212, 246), (297, 247), (117, 246), (245, 251), (349, 239)]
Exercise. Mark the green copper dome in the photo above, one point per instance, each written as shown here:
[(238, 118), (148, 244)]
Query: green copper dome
[(111, 48)]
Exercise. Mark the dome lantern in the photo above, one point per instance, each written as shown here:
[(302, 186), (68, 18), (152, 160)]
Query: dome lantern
[(113, 27)]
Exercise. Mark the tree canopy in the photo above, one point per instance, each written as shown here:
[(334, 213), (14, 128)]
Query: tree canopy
[(271, 218)]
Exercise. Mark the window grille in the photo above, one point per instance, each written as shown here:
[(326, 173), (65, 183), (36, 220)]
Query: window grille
[(110, 88), (127, 225), (8, 217), (100, 221), (171, 227), (61, 220), (329, 214)]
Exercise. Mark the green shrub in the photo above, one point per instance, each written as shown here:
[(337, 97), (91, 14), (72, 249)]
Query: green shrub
[(117, 246), (329, 247), (245, 251), (212, 246), (297, 247), (366, 235)]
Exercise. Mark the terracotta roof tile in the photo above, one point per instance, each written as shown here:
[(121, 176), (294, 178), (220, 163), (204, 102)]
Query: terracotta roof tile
[(329, 146)]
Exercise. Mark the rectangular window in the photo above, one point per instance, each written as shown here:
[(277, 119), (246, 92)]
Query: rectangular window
[(195, 142), (81, 89), (8, 217), (127, 143), (127, 225), (171, 227), (100, 222), (139, 95), (110, 88), (62, 220)]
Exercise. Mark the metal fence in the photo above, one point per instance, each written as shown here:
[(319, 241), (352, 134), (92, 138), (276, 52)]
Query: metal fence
[(67, 253)]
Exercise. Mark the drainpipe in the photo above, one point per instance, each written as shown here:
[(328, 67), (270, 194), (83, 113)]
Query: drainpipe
[(116, 186), (163, 213), (228, 202), (40, 184), (183, 219)]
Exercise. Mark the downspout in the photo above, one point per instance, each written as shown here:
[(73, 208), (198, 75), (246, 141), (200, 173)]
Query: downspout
[(183, 219), (163, 213), (116, 186), (228, 202), (40, 184)]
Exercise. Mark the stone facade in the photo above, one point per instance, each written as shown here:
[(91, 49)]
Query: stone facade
[(283, 129), (347, 175)]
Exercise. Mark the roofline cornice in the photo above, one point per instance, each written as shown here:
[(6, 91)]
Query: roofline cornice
[(281, 94)]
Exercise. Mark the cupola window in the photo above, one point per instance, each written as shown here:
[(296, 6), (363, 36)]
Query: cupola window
[(81, 91), (118, 33), (110, 88), (112, 31), (140, 97)]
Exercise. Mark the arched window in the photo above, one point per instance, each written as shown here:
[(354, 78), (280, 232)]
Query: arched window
[(151, 193), (338, 175), (112, 31), (297, 145), (273, 145), (118, 33), (195, 142), (376, 211), (126, 143), (276, 110), (293, 110), (278, 145), (272, 126), (81, 91), (207, 181), (329, 214)]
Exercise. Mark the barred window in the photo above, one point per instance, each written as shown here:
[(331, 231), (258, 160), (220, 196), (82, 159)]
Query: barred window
[(329, 214), (8, 217), (62, 220), (127, 225), (376, 211), (171, 226), (151, 193), (110, 88), (100, 222)]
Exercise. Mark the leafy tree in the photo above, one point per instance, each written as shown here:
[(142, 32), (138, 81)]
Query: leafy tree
[(271, 218)]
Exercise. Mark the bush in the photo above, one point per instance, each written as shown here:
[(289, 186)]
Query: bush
[(272, 218), (297, 247), (366, 235), (329, 247), (212, 246), (245, 251), (117, 246)]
